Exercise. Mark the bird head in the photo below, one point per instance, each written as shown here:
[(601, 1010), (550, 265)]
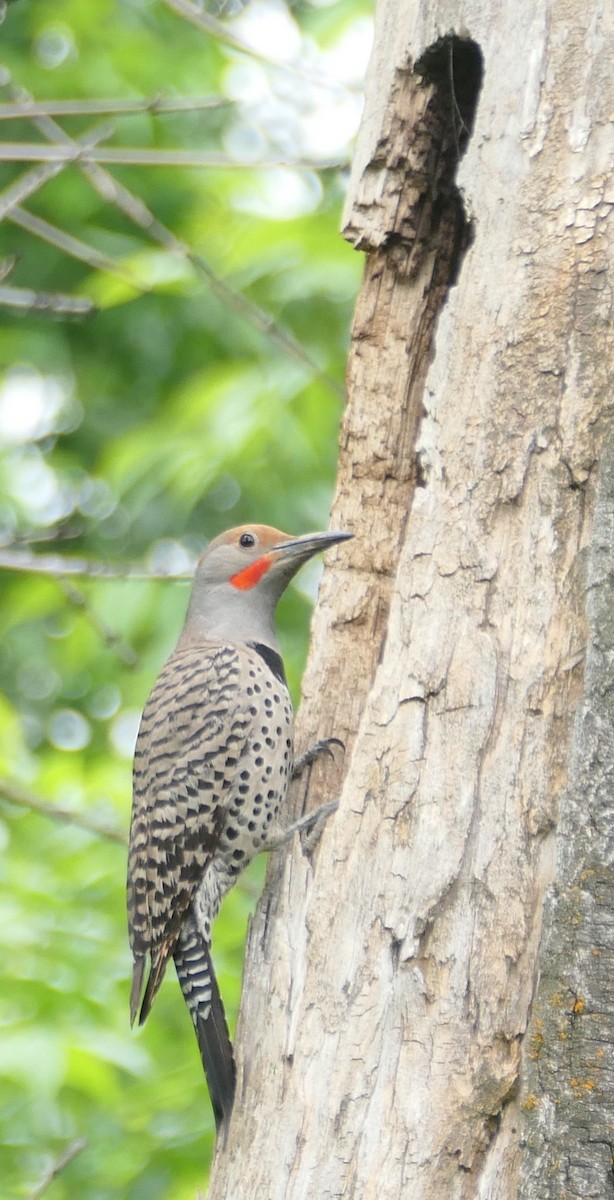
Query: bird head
[(242, 575)]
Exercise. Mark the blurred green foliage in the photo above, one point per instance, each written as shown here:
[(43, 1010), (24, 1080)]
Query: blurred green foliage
[(131, 438)]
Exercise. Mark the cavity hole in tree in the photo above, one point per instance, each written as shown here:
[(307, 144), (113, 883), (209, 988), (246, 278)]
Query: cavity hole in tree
[(453, 68)]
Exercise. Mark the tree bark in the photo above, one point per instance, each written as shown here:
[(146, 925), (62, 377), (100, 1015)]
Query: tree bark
[(428, 999)]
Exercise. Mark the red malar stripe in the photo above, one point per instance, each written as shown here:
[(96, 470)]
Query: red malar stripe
[(250, 576)]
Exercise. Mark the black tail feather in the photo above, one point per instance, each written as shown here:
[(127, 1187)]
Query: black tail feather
[(202, 996), (217, 1057)]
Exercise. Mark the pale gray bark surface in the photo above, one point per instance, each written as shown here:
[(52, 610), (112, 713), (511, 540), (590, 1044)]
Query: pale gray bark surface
[(568, 1083), (385, 1045)]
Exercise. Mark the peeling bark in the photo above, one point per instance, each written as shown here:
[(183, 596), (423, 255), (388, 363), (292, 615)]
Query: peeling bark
[(423, 990)]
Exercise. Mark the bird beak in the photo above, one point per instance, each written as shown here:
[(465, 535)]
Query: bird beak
[(298, 550)]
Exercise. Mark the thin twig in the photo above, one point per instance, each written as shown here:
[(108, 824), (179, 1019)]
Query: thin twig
[(17, 795), (57, 533), (53, 302), (138, 212), (208, 24), (73, 246), (57, 567), (56, 1168), (222, 33), (136, 156), (33, 180), (88, 108), (11, 206), (125, 652)]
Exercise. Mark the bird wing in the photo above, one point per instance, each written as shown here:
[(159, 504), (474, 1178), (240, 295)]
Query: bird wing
[(193, 732)]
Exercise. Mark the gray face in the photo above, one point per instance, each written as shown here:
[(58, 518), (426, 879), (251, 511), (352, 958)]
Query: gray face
[(247, 559), (258, 558), (241, 577)]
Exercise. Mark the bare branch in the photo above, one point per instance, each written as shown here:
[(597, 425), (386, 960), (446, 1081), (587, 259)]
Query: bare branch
[(17, 795), (33, 180), (73, 246), (141, 157), (125, 652), (208, 24), (58, 567), (53, 302), (138, 212), (10, 206), (85, 108), (56, 1168)]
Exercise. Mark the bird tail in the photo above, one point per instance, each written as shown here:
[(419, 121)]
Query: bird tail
[(202, 996)]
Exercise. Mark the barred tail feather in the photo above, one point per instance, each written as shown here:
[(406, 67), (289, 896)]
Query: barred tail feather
[(202, 996)]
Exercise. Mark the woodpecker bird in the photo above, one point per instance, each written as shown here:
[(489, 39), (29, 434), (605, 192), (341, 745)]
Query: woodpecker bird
[(212, 764)]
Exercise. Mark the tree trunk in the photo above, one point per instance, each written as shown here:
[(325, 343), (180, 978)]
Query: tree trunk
[(428, 1000)]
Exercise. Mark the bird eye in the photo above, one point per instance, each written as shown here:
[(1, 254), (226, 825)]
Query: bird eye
[(246, 540)]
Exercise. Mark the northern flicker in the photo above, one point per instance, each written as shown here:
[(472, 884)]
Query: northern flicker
[(213, 760)]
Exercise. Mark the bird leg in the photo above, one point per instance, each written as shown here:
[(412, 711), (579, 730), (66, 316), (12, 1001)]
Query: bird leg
[(310, 823), (318, 750)]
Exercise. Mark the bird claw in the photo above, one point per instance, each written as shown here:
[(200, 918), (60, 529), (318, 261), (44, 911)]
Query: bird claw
[(312, 822), (308, 826), (318, 750)]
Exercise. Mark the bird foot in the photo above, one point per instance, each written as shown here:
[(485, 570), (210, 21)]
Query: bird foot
[(309, 825), (318, 750)]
